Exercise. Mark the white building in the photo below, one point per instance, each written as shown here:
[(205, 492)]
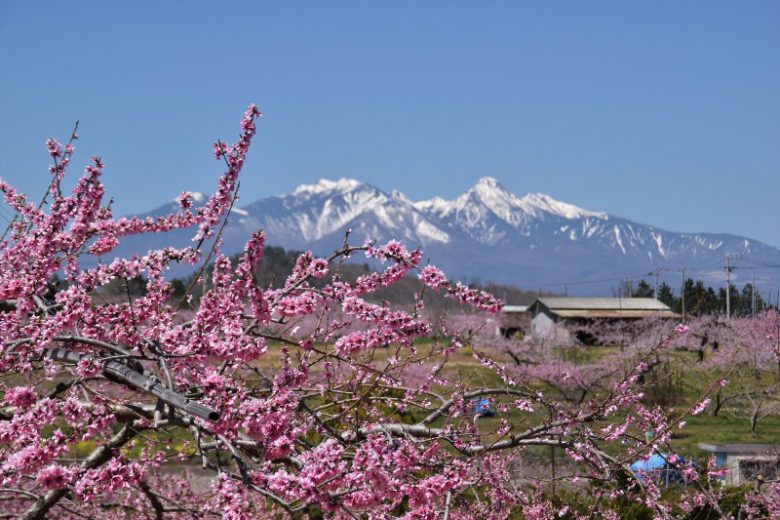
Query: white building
[(746, 462), (547, 312)]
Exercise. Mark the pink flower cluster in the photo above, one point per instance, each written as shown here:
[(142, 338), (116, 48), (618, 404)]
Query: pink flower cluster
[(118, 473), (55, 476), (22, 396)]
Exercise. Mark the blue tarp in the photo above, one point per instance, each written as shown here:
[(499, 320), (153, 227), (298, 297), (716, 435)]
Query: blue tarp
[(482, 408), (656, 461), (656, 467)]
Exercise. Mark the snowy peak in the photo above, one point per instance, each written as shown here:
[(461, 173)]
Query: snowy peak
[(324, 186), (317, 212), (490, 187), (533, 202), (491, 194), (488, 212), (502, 201), (399, 196)]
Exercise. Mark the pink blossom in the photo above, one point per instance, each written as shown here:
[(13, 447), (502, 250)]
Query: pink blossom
[(432, 276), (700, 406), (22, 396), (682, 329), (54, 476), (88, 367)]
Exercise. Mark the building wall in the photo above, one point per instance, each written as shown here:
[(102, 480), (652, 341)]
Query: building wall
[(542, 326), (734, 476)]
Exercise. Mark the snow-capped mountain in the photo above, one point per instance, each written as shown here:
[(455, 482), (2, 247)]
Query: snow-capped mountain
[(488, 213), (315, 213), (487, 233)]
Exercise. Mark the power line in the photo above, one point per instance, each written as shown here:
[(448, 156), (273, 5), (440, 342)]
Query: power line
[(656, 273)]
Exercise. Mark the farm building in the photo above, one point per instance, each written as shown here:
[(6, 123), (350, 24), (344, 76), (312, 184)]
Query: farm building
[(746, 462), (547, 312), (514, 322)]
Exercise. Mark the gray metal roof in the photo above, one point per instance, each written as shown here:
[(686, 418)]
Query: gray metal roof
[(614, 313), (611, 304), (741, 448), (514, 308)]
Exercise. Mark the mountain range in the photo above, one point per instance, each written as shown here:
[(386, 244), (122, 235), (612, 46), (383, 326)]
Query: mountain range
[(487, 233)]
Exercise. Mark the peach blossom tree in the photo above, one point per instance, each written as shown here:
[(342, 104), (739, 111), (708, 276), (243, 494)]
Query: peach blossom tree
[(289, 401)]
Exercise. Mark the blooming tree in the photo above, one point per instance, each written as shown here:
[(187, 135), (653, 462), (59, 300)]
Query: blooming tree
[(293, 400), (745, 351)]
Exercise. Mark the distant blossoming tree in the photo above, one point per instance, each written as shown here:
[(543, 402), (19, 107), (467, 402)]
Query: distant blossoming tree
[(298, 400)]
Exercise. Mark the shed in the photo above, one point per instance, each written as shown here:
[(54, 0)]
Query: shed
[(545, 312), (746, 462), (515, 320)]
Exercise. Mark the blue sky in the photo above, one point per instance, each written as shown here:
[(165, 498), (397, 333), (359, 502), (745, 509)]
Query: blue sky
[(662, 112)]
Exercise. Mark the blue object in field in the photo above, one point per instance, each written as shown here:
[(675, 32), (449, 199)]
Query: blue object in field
[(482, 408), (656, 461), (656, 467)]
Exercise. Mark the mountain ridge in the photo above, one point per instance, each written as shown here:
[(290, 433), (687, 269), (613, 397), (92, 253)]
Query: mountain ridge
[(487, 232)]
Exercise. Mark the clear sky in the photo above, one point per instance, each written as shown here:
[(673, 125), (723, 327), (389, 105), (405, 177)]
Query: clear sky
[(662, 112)]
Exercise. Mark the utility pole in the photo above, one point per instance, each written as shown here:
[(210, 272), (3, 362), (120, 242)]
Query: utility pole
[(682, 290), (728, 287), (753, 291), (655, 282), (729, 268)]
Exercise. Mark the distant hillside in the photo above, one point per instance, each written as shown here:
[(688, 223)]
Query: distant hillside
[(277, 264)]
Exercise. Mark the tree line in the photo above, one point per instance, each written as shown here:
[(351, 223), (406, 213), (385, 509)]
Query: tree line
[(701, 300)]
